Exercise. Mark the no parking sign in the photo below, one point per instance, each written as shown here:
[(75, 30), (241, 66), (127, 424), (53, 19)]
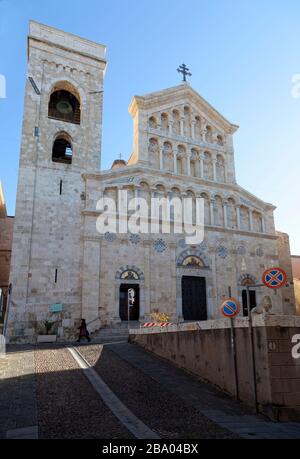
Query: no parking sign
[(274, 278), (230, 307)]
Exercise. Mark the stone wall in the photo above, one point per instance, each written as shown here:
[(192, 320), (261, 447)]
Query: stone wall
[(6, 233), (296, 276), (284, 257), (204, 349)]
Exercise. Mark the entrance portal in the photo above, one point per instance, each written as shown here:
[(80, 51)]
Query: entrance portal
[(194, 298), (129, 302)]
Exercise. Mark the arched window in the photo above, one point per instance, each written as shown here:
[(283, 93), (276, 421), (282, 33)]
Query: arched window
[(257, 221), (220, 140), (187, 122), (218, 211), (62, 151), (153, 153), (164, 122), (207, 164), (64, 104), (168, 157), (176, 122), (244, 218), (220, 169), (198, 127), (152, 122), (206, 209), (231, 214), (195, 163), (208, 134)]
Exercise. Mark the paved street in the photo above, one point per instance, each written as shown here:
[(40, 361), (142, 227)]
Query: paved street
[(116, 391)]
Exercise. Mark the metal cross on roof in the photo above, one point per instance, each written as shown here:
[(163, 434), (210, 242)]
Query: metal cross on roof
[(184, 70)]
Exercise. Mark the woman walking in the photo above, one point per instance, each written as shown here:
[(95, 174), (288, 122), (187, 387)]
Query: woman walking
[(83, 331)]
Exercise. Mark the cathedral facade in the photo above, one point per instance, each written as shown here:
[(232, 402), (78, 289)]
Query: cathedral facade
[(182, 147)]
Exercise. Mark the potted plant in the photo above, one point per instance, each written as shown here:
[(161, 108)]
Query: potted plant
[(44, 335), (161, 319)]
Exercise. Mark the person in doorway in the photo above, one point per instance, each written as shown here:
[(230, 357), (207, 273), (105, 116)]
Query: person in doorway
[(83, 331)]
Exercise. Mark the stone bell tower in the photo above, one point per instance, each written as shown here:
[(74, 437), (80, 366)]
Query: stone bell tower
[(61, 140)]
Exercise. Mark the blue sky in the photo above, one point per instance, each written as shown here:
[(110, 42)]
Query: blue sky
[(242, 54)]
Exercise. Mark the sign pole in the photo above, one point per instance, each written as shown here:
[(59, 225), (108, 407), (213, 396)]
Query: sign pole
[(252, 351), (233, 347)]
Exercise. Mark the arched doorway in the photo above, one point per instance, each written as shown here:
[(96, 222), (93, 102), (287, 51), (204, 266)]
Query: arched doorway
[(248, 280), (193, 286), (130, 293), (194, 298), (129, 306)]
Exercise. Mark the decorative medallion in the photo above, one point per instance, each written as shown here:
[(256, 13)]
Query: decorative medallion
[(135, 238), (259, 252), (110, 237), (222, 251), (159, 245), (241, 250)]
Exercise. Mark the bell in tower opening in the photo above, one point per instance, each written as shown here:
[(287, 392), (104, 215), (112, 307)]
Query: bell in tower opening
[(64, 106)]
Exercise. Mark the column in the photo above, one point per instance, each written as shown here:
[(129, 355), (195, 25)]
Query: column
[(201, 166), (188, 164), (193, 129), (225, 214), (250, 220), (214, 169), (175, 162), (161, 163), (212, 220), (182, 126), (238, 217), (263, 224)]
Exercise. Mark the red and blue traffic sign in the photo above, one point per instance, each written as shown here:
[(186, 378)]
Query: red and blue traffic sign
[(274, 278), (230, 307)]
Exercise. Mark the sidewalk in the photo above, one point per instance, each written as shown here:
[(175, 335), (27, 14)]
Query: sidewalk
[(216, 406), (18, 416)]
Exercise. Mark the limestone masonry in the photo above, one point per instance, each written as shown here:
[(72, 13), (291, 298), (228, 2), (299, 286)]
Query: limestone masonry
[(181, 147)]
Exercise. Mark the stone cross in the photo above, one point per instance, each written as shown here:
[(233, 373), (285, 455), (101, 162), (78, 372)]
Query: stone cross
[(184, 70)]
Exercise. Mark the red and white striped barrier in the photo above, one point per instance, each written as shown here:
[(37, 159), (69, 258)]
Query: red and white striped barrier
[(154, 324)]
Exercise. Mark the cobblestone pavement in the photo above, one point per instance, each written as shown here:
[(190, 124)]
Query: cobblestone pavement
[(45, 394), (68, 406), (18, 413), (216, 406), (164, 412)]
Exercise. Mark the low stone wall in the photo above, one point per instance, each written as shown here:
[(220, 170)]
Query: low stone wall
[(205, 349)]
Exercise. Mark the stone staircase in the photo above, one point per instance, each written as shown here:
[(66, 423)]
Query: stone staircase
[(115, 333)]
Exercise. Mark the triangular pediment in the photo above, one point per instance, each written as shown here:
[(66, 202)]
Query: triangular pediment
[(177, 96)]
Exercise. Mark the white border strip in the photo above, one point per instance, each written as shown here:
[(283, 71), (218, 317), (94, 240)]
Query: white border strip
[(127, 418)]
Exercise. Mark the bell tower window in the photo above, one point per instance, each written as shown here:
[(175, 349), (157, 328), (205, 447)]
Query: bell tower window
[(62, 151), (64, 106)]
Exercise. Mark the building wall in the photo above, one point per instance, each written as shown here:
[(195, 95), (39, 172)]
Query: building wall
[(59, 257), (296, 276), (205, 350), (47, 245), (284, 254), (6, 233)]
